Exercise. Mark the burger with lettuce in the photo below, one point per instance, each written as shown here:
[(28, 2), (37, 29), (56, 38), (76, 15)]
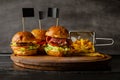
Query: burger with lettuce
[(40, 39), (57, 40), (24, 43)]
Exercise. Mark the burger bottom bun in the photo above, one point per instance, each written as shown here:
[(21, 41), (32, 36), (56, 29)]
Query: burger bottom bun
[(24, 53), (41, 51), (55, 53)]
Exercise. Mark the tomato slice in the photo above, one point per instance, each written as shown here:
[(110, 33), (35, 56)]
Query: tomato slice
[(53, 44), (41, 42), (48, 38)]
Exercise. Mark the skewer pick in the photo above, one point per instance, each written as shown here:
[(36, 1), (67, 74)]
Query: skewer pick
[(40, 18), (54, 12), (27, 12)]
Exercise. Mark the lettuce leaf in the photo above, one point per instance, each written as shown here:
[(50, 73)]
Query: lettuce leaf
[(55, 48)]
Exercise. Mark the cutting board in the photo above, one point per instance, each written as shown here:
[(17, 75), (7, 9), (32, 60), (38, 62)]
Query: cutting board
[(45, 62)]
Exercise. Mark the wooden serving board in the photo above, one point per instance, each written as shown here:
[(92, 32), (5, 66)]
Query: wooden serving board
[(62, 63)]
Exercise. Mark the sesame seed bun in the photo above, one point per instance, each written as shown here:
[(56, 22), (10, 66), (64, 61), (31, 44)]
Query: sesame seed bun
[(57, 32), (23, 37)]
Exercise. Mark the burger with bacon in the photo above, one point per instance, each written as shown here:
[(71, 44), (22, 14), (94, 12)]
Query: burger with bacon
[(40, 39), (57, 40), (24, 43)]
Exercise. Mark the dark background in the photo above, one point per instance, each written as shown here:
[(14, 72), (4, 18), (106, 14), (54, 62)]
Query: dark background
[(101, 16)]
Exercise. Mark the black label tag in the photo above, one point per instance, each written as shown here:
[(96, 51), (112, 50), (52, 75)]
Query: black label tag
[(53, 12), (28, 12), (50, 12), (40, 15)]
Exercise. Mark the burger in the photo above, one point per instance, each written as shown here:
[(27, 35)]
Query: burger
[(40, 39), (57, 40), (24, 44)]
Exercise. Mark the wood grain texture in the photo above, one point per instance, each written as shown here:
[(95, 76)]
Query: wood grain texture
[(61, 63)]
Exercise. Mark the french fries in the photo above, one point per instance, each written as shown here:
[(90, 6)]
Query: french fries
[(83, 46)]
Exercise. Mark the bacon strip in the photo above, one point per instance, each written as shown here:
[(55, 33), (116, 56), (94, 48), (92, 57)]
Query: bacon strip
[(57, 41)]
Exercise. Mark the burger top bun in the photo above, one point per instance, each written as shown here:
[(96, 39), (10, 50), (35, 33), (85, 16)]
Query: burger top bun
[(39, 34), (57, 32), (23, 37)]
